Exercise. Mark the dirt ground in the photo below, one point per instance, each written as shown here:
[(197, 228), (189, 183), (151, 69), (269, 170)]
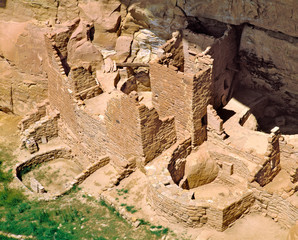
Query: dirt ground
[(132, 192), (54, 175)]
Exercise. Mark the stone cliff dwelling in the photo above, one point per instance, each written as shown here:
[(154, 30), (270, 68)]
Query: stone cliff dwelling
[(205, 111)]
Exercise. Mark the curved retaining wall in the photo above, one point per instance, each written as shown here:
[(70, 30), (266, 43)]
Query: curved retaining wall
[(178, 206), (54, 154), (41, 158)]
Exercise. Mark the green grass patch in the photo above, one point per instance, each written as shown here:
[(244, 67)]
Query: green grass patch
[(64, 218)]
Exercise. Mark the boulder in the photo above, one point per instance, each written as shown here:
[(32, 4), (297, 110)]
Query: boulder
[(200, 169)]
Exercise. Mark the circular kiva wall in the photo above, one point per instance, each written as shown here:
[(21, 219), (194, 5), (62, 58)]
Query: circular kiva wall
[(211, 201)]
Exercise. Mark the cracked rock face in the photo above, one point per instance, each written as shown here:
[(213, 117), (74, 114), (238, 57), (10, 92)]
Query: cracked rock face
[(133, 31), (269, 62)]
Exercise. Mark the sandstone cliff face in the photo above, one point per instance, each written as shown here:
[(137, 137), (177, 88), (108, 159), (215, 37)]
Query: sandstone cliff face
[(269, 63), (23, 82), (134, 30)]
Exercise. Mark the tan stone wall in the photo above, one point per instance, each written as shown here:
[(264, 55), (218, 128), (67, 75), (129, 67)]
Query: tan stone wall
[(201, 97), (235, 210), (85, 134), (39, 158), (33, 116), (271, 164), (157, 135), (214, 122), (172, 96), (223, 51), (123, 129), (176, 165), (81, 79), (91, 169), (176, 205), (276, 207), (59, 90), (46, 127), (92, 135)]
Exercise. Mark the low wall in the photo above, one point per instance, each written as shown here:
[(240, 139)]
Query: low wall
[(33, 116), (46, 127), (276, 207), (178, 205), (214, 122), (91, 169), (176, 165), (39, 158), (54, 154)]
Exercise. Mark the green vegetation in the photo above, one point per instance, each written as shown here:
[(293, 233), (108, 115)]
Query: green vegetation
[(66, 217), (122, 191)]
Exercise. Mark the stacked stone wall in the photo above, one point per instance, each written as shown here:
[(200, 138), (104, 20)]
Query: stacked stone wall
[(178, 206), (271, 164), (174, 207), (172, 96), (157, 135), (92, 135), (46, 128), (60, 93), (85, 134), (39, 158), (34, 116), (223, 51), (276, 207), (201, 97), (214, 122), (123, 129), (91, 169)]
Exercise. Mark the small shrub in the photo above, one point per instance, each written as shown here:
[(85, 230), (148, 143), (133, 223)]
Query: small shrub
[(143, 222), (10, 197), (130, 209), (5, 177), (23, 207)]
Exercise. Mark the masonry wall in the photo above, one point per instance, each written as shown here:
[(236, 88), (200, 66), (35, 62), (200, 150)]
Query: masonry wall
[(276, 207), (271, 164), (157, 134), (83, 133), (123, 129), (92, 135), (81, 79), (176, 165), (177, 206), (39, 158), (58, 87), (201, 97), (214, 122), (46, 127), (224, 52), (172, 96), (33, 116), (235, 210)]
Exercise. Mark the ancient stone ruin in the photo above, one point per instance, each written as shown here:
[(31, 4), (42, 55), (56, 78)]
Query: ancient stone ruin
[(199, 96)]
